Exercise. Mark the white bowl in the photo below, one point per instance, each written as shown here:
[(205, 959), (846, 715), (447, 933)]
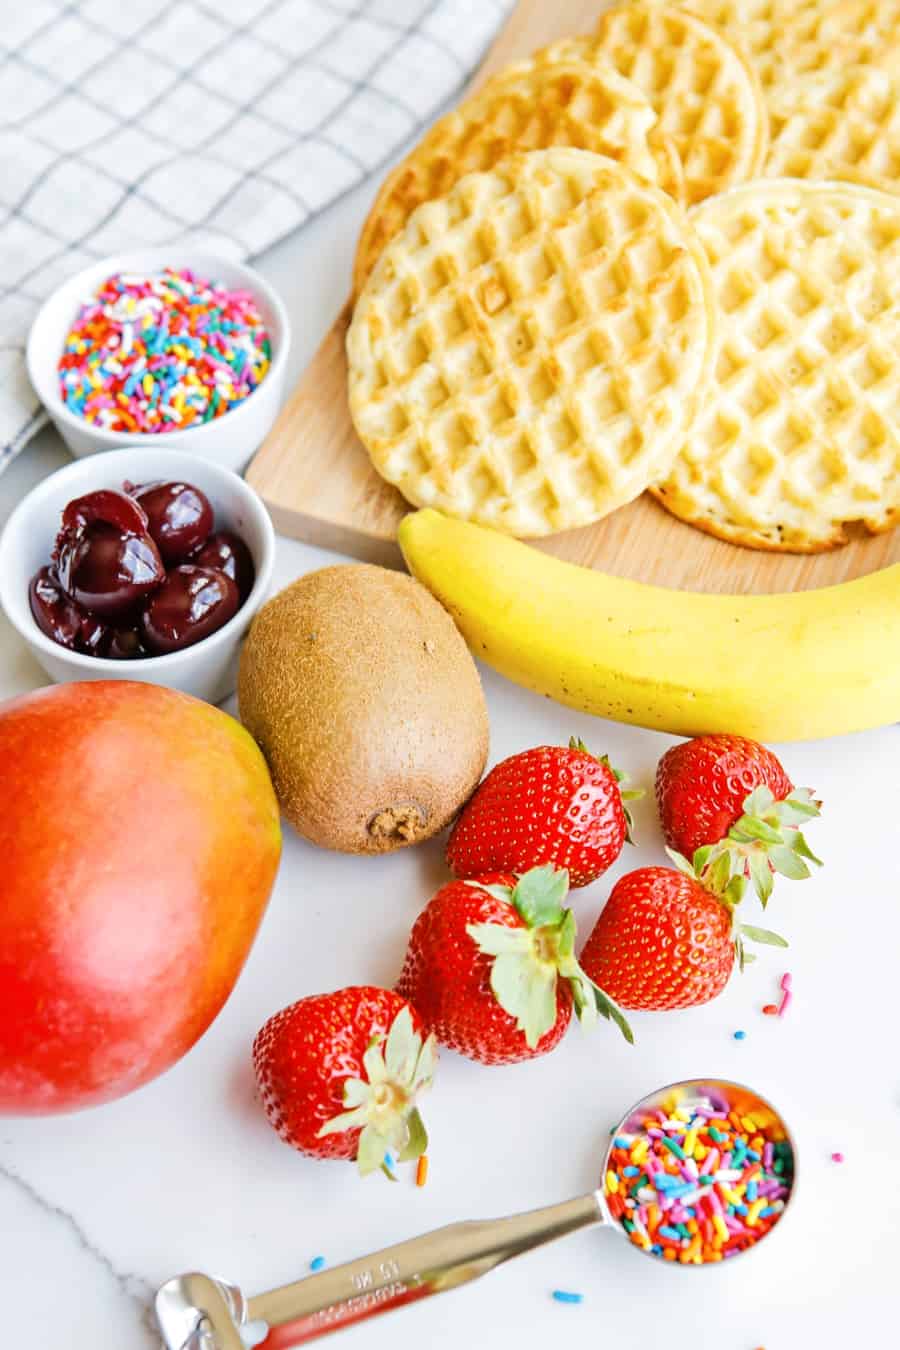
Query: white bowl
[(208, 669), (229, 440)]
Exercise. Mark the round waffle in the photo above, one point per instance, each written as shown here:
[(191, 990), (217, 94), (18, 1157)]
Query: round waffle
[(800, 430), (530, 350), (787, 38), (527, 107), (703, 89), (843, 123)]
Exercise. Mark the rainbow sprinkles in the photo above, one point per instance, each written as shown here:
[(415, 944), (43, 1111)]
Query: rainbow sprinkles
[(162, 352)]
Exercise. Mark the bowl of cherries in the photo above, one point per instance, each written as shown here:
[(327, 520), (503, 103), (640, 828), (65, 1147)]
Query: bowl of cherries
[(138, 564)]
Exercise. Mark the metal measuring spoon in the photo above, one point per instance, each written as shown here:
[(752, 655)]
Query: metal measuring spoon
[(197, 1312)]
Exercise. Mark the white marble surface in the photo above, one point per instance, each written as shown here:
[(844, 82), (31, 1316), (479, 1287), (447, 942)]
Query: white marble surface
[(97, 1209)]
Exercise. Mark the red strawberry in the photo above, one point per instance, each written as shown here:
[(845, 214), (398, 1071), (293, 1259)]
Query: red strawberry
[(339, 1074), (492, 969), (666, 939), (554, 804), (732, 791)]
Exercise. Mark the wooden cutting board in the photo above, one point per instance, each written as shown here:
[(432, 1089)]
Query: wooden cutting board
[(317, 481)]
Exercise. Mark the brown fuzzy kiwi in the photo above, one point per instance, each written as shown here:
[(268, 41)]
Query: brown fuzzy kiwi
[(367, 705)]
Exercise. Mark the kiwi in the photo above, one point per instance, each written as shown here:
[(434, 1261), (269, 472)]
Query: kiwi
[(366, 703)]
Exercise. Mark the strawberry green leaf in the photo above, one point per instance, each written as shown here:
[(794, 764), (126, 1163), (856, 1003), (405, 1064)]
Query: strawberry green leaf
[(700, 859), (356, 1092), (682, 863), (401, 1048), (425, 1065), (503, 893), (527, 991), (759, 801), (733, 893), (799, 845), (754, 827), (786, 861), (539, 895), (346, 1120), (609, 1009), (494, 939), (761, 876), (370, 1154), (626, 795), (763, 935), (417, 1138), (373, 1063)]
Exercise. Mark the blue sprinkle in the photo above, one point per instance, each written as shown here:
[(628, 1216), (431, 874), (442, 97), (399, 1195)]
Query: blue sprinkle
[(753, 1154), (667, 1231), (751, 1191), (739, 1209), (317, 1263), (740, 1035), (389, 1162), (620, 1142), (769, 1209), (566, 1296), (631, 1171)]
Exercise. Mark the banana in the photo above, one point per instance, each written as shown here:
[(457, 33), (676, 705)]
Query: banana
[(773, 667)]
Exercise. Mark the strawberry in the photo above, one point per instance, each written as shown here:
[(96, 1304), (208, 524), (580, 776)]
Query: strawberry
[(491, 967), (733, 792), (338, 1075), (554, 804), (667, 938)]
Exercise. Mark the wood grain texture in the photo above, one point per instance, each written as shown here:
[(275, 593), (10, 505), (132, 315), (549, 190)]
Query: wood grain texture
[(317, 481)]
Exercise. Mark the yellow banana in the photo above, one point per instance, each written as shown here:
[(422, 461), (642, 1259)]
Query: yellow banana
[(774, 667)]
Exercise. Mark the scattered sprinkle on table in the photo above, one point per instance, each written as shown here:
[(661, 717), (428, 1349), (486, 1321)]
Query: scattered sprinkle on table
[(786, 995), (567, 1296), (837, 1157), (422, 1170), (699, 1182), (770, 1009), (740, 1035), (317, 1263), (162, 352)]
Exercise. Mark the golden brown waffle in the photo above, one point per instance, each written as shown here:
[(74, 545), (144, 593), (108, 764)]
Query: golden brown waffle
[(800, 432), (529, 351), (702, 87), (527, 107), (787, 38), (840, 124)]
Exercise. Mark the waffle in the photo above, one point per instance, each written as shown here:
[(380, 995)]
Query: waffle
[(528, 107), (787, 38), (800, 432), (703, 89), (529, 351), (844, 124)]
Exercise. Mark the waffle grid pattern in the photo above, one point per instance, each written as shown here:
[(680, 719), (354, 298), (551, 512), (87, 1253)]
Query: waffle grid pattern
[(840, 124), (529, 351), (801, 431), (705, 93), (529, 107)]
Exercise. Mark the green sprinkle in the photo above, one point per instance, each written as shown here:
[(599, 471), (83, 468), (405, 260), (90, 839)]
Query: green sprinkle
[(628, 1225), (778, 1165), (716, 1134), (705, 1181), (674, 1147)]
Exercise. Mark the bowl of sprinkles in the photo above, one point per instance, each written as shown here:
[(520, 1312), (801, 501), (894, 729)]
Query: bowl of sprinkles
[(699, 1177), (173, 348)]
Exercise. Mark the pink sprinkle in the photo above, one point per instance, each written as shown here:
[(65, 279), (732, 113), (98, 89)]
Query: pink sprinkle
[(785, 1003), (837, 1157), (786, 981)]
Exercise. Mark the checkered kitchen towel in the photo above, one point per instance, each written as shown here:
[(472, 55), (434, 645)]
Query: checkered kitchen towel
[(226, 123)]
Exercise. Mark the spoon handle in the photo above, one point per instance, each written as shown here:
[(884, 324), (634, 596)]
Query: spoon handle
[(411, 1270)]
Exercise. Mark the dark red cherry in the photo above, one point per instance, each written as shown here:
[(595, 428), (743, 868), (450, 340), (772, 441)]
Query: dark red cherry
[(106, 571), (179, 515), (123, 644), (107, 505), (191, 603), (231, 555), (54, 612)]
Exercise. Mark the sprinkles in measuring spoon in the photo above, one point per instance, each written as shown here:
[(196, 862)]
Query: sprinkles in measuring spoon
[(162, 352), (698, 1184)]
